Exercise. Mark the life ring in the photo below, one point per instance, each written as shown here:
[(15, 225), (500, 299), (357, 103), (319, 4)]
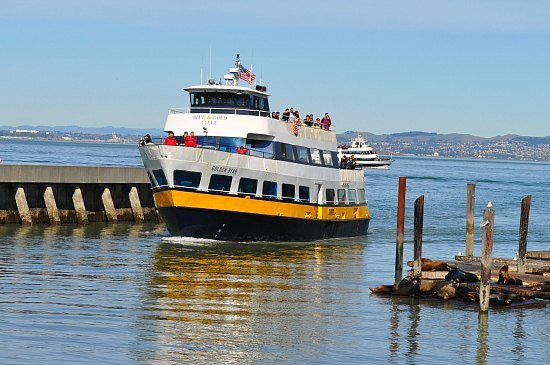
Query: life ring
[(295, 129)]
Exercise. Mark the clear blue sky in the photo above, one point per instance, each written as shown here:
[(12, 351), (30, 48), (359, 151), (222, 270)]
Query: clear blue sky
[(479, 67)]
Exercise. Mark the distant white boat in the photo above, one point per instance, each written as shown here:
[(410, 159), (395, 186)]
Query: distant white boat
[(365, 156)]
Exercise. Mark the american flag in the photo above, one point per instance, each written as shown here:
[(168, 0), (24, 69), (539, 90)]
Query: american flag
[(246, 75)]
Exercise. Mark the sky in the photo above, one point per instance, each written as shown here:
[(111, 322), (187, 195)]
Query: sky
[(444, 66)]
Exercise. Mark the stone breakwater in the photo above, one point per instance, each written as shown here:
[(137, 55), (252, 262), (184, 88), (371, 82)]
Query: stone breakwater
[(47, 194)]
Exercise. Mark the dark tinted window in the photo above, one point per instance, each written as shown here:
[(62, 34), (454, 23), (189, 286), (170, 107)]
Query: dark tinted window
[(160, 177), (269, 190), (220, 183), (289, 192), (153, 182), (341, 196), (188, 179), (248, 186), (303, 192), (301, 154), (330, 196)]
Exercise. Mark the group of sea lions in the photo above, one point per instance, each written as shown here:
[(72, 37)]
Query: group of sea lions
[(450, 287)]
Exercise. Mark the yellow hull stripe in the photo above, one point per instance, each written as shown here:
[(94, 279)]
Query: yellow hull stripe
[(232, 203)]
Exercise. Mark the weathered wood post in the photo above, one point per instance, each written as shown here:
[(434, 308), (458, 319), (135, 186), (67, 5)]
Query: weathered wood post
[(470, 204), (486, 256), (400, 229), (523, 230), (418, 225)]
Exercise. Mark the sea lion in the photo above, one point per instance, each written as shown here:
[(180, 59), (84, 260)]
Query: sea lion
[(407, 286), (459, 276), (500, 299), (505, 278), (467, 294), (432, 265), (446, 292)]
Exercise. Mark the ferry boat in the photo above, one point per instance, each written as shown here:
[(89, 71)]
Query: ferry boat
[(365, 157), (251, 177)]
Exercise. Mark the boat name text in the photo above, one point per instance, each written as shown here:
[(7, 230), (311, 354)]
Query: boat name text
[(227, 170), (209, 119)]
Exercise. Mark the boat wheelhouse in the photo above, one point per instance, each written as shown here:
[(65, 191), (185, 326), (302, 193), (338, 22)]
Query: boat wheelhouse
[(251, 177)]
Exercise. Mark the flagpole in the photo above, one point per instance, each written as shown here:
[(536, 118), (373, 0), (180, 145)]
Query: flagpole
[(250, 83)]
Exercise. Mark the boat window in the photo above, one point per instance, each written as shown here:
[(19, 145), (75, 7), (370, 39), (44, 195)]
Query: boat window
[(351, 196), (303, 192), (302, 155), (189, 179), (230, 144), (327, 158), (208, 142), (269, 190), (341, 196), (362, 196), (260, 148), (220, 183), (247, 186), (289, 192), (289, 154), (334, 159), (315, 156), (330, 196), (160, 177)]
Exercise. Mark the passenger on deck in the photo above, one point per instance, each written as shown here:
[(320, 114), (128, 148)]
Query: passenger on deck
[(190, 140), (241, 150), (344, 162), (285, 116), (326, 122), (184, 138), (352, 163), (309, 120), (317, 123), (170, 140), (297, 119), (147, 139), (291, 116)]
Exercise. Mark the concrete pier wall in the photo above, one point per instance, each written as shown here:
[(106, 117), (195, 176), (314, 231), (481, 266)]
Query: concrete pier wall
[(33, 194)]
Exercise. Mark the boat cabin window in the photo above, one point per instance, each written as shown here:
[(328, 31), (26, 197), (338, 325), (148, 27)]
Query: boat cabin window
[(289, 192), (351, 196), (218, 99), (330, 196), (327, 156), (341, 196), (334, 159), (230, 144), (269, 190), (207, 142), (362, 196), (260, 148), (303, 192), (315, 156), (302, 155), (220, 183), (160, 177), (287, 152), (188, 179), (247, 186)]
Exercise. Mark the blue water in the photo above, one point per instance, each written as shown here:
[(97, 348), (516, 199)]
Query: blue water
[(125, 294)]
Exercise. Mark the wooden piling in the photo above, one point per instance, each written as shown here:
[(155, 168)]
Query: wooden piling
[(523, 230), (79, 207), (470, 204), (136, 205), (486, 256), (418, 226), (109, 206), (400, 229), (51, 207), (23, 207)]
